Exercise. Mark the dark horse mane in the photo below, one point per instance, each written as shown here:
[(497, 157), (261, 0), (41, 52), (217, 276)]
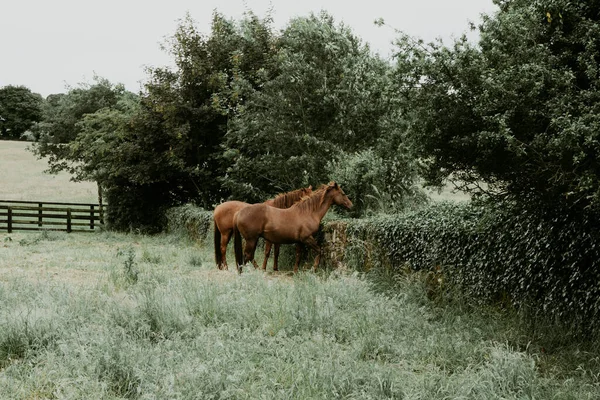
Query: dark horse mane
[(286, 200), (314, 200)]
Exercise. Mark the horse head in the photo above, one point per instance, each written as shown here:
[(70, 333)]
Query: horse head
[(338, 196)]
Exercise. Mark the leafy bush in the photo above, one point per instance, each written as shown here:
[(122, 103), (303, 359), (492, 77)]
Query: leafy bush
[(190, 220), (545, 262), (376, 183)]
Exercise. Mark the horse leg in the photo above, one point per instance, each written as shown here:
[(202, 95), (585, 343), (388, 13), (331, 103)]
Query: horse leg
[(267, 253), (249, 251), (225, 238), (276, 258), (298, 255), (312, 243)]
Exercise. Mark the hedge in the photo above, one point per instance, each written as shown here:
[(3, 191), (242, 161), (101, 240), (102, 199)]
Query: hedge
[(544, 261), (190, 221)]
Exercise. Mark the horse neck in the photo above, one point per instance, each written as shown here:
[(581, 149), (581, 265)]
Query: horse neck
[(322, 205)]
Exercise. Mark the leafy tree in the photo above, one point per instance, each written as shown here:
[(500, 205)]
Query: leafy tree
[(96, 153), (168, 150), (184, 115), (328, 99), (519, 111), (61, 123), (20, 109)]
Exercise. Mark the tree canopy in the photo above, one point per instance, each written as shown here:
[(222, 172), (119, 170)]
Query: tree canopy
[(62, 122), (329, 99), (519, 111), (20, 109)]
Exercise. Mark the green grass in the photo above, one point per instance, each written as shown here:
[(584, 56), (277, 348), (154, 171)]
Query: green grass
[(22, 177), (112, 315)]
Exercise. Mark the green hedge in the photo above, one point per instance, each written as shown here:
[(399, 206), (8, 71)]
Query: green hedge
[(544, 261), (191, 221)]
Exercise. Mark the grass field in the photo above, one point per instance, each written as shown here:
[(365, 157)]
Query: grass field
[(22, 177), (111, 315)]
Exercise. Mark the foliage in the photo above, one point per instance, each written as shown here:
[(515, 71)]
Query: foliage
[(166, 151), (519, 111), (375, 184), (244, 113), (95, 109), (134, 207), (178, 134), (20, 109), (130, 270), (190, 221), (328, 99), (543, 263)]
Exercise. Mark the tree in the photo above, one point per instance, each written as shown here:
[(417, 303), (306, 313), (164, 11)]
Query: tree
[(20, 109), (80, 130), (62, 115), (329, 98), (183, 120), (168, 150), (518, 112)]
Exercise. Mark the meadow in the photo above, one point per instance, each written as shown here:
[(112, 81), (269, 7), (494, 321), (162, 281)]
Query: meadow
[(115, 315), (22, 177), (126, 316)]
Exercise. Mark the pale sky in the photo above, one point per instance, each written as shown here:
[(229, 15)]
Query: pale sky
[(49, 44)]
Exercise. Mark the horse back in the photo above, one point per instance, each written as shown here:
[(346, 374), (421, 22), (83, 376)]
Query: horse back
[(224, 212)]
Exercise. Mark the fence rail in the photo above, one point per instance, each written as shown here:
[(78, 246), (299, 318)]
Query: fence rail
[(45, 215)]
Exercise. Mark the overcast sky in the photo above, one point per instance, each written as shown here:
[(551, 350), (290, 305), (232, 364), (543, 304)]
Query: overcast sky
[(49, 44)]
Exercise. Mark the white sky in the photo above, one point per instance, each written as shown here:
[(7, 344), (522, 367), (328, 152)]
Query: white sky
[(48, 44)]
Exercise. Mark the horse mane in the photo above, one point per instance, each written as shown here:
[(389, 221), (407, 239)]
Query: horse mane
[(286, 200), (314, 200)]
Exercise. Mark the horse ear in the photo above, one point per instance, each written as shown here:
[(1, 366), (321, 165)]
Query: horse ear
[(309, 187)]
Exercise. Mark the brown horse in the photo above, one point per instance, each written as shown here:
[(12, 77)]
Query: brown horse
[(223, 224), (296, 224)]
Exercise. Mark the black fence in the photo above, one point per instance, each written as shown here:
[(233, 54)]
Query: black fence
[(43, 215)]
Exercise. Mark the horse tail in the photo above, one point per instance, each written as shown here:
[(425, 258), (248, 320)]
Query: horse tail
[(218, 255), (237, 244)]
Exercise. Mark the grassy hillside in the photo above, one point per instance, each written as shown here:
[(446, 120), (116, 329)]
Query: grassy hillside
[(22, 177), (110, 315)]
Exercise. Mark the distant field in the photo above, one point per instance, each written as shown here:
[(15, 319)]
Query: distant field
[(22, 177)]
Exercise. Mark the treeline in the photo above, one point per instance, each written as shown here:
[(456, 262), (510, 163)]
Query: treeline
[(249, 111)]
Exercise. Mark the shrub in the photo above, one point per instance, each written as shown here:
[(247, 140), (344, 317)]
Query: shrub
[(545, 261), (191, 221)]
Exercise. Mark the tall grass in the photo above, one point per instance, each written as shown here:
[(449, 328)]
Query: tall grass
[(72, 325)]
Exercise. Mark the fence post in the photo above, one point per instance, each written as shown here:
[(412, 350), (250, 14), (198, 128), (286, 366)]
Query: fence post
[(68, 220), (40, 214), (92, 216), (9, 220)]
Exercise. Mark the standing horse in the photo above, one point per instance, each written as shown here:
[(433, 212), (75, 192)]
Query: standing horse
[(296, 224), (223, 224)]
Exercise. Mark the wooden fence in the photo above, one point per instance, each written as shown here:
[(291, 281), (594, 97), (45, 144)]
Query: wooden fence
[(43, 215)]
